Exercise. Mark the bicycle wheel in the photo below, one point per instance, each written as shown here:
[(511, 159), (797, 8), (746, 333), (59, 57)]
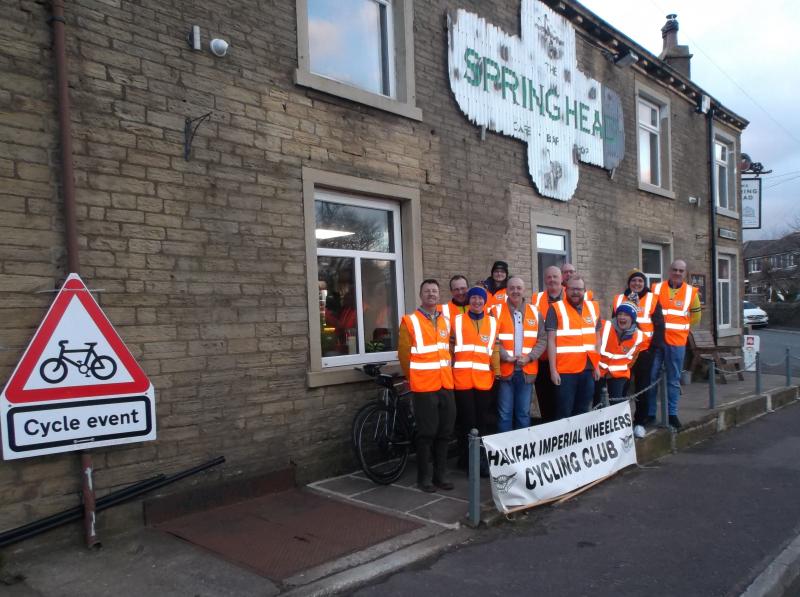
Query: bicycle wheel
[(103, 367), (357, 422), (383, 444), (53, 370)]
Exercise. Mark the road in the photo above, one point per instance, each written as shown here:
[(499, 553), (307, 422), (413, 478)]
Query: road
[(773, 349), (703, 522)]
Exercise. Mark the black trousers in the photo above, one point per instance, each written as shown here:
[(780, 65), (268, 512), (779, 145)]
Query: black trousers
[(641, 375), (435, 413), (546, 393), (472, 412)]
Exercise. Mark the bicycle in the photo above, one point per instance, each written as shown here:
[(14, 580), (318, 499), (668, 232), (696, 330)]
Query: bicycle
[(101, 367), (383, 429)]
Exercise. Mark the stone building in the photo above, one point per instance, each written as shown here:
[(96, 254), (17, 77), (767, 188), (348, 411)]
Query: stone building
[(772, 268), (255, 223)]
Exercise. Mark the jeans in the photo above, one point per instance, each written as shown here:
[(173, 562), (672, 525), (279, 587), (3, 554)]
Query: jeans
[(514, 400), (575, 394), (641, 375), (672, 358)]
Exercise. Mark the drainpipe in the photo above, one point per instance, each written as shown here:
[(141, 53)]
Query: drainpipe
[(71, 231), (712, 189)]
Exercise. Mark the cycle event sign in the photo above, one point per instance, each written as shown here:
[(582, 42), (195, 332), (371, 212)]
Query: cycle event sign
[(539, 464), (77, 385)]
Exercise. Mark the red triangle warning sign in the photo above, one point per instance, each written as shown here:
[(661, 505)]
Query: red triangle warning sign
[(75, 353)]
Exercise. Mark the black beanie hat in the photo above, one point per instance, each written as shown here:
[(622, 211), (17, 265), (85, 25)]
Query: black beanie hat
[(500, 265)]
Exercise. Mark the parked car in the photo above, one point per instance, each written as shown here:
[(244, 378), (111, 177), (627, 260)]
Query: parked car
[(754, 315)]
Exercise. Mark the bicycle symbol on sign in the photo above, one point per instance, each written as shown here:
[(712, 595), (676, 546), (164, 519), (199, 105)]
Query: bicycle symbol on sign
[(99, 366)]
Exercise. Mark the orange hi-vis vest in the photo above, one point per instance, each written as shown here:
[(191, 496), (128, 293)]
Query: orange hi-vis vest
[(429, 362), (644, 314), (576, 338), (472, 352), (677, 318), (542, 302), (450, 310), (498, 298), (616, 358), (505, 333)]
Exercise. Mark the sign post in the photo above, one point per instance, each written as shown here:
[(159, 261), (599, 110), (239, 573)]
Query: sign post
[(77, 385)]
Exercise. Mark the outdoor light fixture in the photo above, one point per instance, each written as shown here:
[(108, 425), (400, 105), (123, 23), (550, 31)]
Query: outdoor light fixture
[(194, 38), (218, 47), (626, 58)]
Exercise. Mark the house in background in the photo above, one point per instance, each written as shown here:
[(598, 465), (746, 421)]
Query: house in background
[(773, 268)]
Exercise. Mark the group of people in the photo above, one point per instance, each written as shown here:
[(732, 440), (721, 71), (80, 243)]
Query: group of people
[(494, 343)]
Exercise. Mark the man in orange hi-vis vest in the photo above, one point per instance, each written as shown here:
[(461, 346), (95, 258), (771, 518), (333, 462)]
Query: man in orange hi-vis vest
[(423, 350), (573, 341), (680, 304)]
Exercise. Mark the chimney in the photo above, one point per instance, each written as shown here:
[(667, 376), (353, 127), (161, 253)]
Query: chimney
[(678, 57)]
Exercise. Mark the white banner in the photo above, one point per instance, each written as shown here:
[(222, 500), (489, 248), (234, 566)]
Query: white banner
[(540, 463)]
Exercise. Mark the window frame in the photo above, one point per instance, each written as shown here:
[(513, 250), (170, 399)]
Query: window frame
[(654, 99), (363, 357), (410, 244), (564, 233), (731, 210), (730, 282), (400, 40), (754, 265), (736, 274), (663, 250)]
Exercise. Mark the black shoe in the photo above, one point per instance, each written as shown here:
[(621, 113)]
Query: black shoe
[(674, 422), (649, 421), (446, 485), (426, 487)]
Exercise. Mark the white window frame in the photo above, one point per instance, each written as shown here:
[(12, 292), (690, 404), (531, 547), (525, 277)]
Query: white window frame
[(754, 265), (662, 251), (730, 207), (563, 233), (362, 356), (653, 99), (730, 283), (400, 43), (408, 199)]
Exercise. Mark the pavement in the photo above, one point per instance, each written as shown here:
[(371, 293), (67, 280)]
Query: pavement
[(340, 533)]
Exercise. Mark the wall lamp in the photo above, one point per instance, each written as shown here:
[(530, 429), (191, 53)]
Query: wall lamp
[(626, 58)]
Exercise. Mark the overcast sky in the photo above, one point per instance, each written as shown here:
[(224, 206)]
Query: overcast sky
[(747, 56)]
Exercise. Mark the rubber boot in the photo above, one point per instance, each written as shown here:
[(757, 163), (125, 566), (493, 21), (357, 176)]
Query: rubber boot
[(424, 469), (440, 479)]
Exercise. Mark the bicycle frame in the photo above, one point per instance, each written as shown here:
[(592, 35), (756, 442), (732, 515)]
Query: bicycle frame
[(89, 352)]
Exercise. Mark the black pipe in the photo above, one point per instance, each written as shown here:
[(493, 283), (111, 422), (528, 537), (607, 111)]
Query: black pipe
[(107, 501), (711, 289)]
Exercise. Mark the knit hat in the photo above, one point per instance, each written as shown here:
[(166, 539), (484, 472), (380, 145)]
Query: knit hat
[(636, 273), (627, 308), (500, 265), (476, 291)]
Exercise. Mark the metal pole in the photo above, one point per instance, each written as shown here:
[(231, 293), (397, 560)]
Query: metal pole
[(87, 491), (712, 384), (788, 367), (474, 446), (758, 373), (662, 390)]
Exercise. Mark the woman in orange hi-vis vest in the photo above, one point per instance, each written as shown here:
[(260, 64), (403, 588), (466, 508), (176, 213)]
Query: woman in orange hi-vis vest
[(423, 350), (650, 320), (476, 362), (496, 284), (620, 342)]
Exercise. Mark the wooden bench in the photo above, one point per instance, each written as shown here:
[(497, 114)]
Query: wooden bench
[(703, 349)]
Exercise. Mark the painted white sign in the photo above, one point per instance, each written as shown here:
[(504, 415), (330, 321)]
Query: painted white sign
[(752, 345), (751, 203), (77, 385), (541, 463), (530, 88)]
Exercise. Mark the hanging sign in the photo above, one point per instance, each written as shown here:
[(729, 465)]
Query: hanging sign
[(77, 385), (530, 88), (751, 203), (540, 463)]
